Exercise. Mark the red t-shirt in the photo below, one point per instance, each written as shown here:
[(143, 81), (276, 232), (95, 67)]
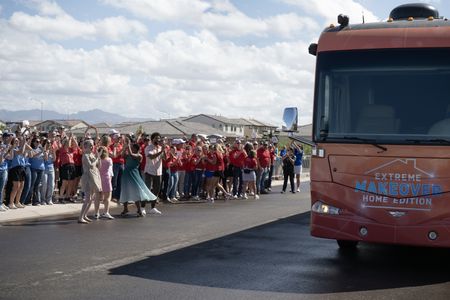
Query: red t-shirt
[(66, 156), (263, 156), (210, 166), (119, 159), (250, 163), (237, 158), (190, 164), (77, 156), (220, 165)]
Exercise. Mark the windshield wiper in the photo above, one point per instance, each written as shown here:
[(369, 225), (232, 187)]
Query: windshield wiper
[(442, 141), (368, 141), (439, 141)]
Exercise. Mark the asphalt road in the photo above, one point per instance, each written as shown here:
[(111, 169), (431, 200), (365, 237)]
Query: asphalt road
[(235, 250)]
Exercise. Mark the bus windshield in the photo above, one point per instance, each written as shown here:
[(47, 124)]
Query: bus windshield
[(397, 96)]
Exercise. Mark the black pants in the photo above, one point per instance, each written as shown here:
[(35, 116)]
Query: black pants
[(288, 174), (153, 182), (164, 184)]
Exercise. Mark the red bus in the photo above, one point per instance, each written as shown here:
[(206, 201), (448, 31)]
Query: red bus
[(380, 170)]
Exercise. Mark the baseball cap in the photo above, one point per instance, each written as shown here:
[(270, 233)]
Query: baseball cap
[(113, 132)]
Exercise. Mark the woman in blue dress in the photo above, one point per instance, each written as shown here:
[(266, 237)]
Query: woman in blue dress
[(133, 188)]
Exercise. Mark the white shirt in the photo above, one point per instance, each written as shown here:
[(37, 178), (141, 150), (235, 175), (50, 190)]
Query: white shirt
[(153, 166)]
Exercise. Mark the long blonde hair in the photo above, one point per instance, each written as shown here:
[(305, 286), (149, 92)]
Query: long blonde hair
[(103, 151)]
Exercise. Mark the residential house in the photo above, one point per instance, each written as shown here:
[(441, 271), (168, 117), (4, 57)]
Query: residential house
[(71, 125), (224, 125)]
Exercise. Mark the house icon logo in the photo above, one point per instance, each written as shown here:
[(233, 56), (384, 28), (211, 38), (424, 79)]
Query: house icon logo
[(409, 164)]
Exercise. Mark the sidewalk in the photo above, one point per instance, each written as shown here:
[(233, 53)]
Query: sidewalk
[(72, 209)]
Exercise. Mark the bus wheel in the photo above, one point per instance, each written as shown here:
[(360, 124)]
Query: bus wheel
[(344, 244)]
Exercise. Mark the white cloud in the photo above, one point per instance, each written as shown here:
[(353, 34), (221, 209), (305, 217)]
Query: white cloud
[(53, 22), (330, 9), (221, 17), (177, 73)]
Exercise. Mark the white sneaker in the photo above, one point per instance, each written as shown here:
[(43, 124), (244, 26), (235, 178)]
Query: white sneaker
[(245, 196), (256, 197), (143, 211), (50, 202), (154, 211), (298, 190), (2, 208), (235, 196), (96, 216), (5, 207), (175, 200), (107, 216)]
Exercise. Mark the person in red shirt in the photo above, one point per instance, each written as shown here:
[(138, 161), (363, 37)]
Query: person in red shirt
[(219, 171), (263, 157), (77, 158), (228, 173), (237, 158), (189, 170), (67, 169), (197, 164), (249, 176), (115, 152), (173, 163)]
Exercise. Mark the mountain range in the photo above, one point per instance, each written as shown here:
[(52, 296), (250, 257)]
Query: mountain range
[(91, 116)]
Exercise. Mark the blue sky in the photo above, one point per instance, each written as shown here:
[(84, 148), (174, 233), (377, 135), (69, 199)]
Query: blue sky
[(152, 58)]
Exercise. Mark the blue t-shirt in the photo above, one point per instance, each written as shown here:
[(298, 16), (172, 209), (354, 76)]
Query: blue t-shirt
[(18, 160), (37, 161), (298, 157)]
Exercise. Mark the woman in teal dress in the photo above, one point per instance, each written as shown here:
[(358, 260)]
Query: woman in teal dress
[(133, 188)]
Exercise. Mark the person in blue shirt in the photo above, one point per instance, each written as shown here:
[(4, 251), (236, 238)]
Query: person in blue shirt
[(17, 154), (37, 167), (298, 152), (4, 149)]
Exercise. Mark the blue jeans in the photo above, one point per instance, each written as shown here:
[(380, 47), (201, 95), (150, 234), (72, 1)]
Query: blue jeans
[(173, 183), (262, 180), (25, 198), (48, 185), (117, 179), (3, 179), (36, 179), (188, 180), (237, 181), (196, 182)]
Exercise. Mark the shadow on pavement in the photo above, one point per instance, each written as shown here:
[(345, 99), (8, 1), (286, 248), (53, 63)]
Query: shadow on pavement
[(283, 257)]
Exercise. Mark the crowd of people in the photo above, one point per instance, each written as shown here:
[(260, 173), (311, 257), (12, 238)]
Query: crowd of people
[(141, 169)]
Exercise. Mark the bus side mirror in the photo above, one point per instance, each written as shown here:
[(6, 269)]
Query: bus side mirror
[(312, 49), (290, 119)]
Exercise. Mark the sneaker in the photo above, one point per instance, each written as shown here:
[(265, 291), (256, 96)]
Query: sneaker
[(2, 208), (256, 197), (107, 216), (175, 200), (154, 211), (245, 196), (282, 192), (50, 202), (196, 198), (170, 200), (96, 216), (298, 190), (235, 197), (143, 211), (269, 189), (5, 207), (12, 206)]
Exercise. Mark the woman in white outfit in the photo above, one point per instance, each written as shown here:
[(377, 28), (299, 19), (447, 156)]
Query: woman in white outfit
[(90, 180)]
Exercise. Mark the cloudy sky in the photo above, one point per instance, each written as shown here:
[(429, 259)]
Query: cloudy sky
[(169, 58)]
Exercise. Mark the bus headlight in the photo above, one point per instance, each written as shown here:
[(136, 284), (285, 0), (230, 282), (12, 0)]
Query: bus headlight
[(322, 208)]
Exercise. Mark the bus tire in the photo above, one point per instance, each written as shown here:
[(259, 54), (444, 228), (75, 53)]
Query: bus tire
[(345, 244)]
